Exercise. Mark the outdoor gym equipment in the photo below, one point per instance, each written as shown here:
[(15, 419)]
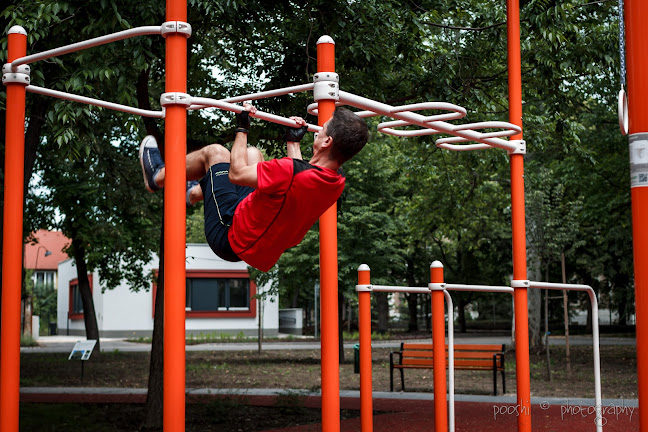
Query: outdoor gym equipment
[(175, 103), (445, 419)]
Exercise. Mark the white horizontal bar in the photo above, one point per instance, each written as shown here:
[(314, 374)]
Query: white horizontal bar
[(559, 286), (413, 118), (101, 40), (207, 102), (92, 101), (487, 288), (387, 288), (271, 93)]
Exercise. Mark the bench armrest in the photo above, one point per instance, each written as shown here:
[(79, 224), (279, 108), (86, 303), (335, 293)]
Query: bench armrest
[(391, 357)]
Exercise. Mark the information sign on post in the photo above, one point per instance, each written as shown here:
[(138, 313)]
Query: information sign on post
[(82, 351)]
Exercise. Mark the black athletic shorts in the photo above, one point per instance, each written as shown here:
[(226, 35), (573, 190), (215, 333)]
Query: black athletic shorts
[(221, 199)]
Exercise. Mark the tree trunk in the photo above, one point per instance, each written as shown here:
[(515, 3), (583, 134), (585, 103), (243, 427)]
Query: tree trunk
[(535, 309), (89, 315), (382, 307), (155, 396), (461, 314), (412, 307)]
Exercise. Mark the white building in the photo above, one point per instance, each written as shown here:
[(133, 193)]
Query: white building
[(220, 299)]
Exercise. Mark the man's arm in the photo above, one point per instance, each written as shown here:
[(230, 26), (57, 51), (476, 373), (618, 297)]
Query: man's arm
[(240, 172), (293, 136)]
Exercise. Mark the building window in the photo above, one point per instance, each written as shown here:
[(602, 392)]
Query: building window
[(44, 279), (218, 294), (75, 310)]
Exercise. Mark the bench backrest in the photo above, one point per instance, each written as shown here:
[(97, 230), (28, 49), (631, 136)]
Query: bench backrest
[(479, 355)]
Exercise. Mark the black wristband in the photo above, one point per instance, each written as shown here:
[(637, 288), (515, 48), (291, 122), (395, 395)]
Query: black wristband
[(243, 130), (243, 120)]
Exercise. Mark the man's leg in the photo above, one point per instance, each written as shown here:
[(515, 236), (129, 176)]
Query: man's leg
[(195, 193)]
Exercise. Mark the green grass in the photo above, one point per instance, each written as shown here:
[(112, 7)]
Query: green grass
[(28, 341)]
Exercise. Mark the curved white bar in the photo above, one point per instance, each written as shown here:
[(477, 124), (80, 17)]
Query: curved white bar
[(595, 338), (207, 102), (92, 101), (101, 40), (413, 118), (466, 147)]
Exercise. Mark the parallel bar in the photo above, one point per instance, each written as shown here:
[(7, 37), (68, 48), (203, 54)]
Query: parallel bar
[(101, 40), (364, 329), (329, 273), (595, 339), (208, 102), (443, 127), (175, 139), (438, 347), (487, 288), (92, 101), (451, 392), (635, 13), (12, 240), (387, 288)]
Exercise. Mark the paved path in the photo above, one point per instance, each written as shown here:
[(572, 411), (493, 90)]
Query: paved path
[(402, 412), (60, 344)]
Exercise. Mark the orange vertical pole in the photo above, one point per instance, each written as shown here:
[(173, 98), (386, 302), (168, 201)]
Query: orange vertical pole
[(329, 272), (439, 350), (637, 63), (364, 328), (523, 373), (12, 238), (174, 225)]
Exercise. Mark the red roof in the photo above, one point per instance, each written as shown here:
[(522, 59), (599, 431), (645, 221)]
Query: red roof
[(48, 241)]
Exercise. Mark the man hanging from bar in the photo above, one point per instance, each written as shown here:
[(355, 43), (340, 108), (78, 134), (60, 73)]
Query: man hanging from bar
[(256, 209)]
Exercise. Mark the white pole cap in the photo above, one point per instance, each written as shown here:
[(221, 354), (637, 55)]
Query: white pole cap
[(17, 29), (363, 267), (436, 264), (325, 39)]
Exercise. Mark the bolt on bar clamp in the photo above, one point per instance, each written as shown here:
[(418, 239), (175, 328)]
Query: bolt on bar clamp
[(20, 75), (364, 288), (437, 286), (520, 147), (172, 27), (326, 86), (520, 283)]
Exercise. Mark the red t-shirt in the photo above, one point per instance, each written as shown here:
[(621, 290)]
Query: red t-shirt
[(291, 196)]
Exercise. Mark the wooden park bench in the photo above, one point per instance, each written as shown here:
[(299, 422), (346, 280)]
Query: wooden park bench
[(466, 357)]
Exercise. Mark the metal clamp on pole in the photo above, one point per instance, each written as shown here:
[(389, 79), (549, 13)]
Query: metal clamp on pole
[(175, 98), (20, 75), (520, 284), (520, 147), (437, 286), (326, 86), (364, 288), (172, 27)]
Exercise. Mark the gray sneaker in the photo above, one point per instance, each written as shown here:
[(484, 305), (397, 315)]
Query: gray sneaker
[(151, 161)]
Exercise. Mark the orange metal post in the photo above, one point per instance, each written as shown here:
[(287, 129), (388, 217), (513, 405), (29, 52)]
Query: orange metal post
[(174, 225), (523, 373), (439, 350), (329, 272), (364, 324), (12, 239), (637, 62)]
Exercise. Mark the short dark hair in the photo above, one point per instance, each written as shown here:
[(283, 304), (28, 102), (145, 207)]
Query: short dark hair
[(349, 133)]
